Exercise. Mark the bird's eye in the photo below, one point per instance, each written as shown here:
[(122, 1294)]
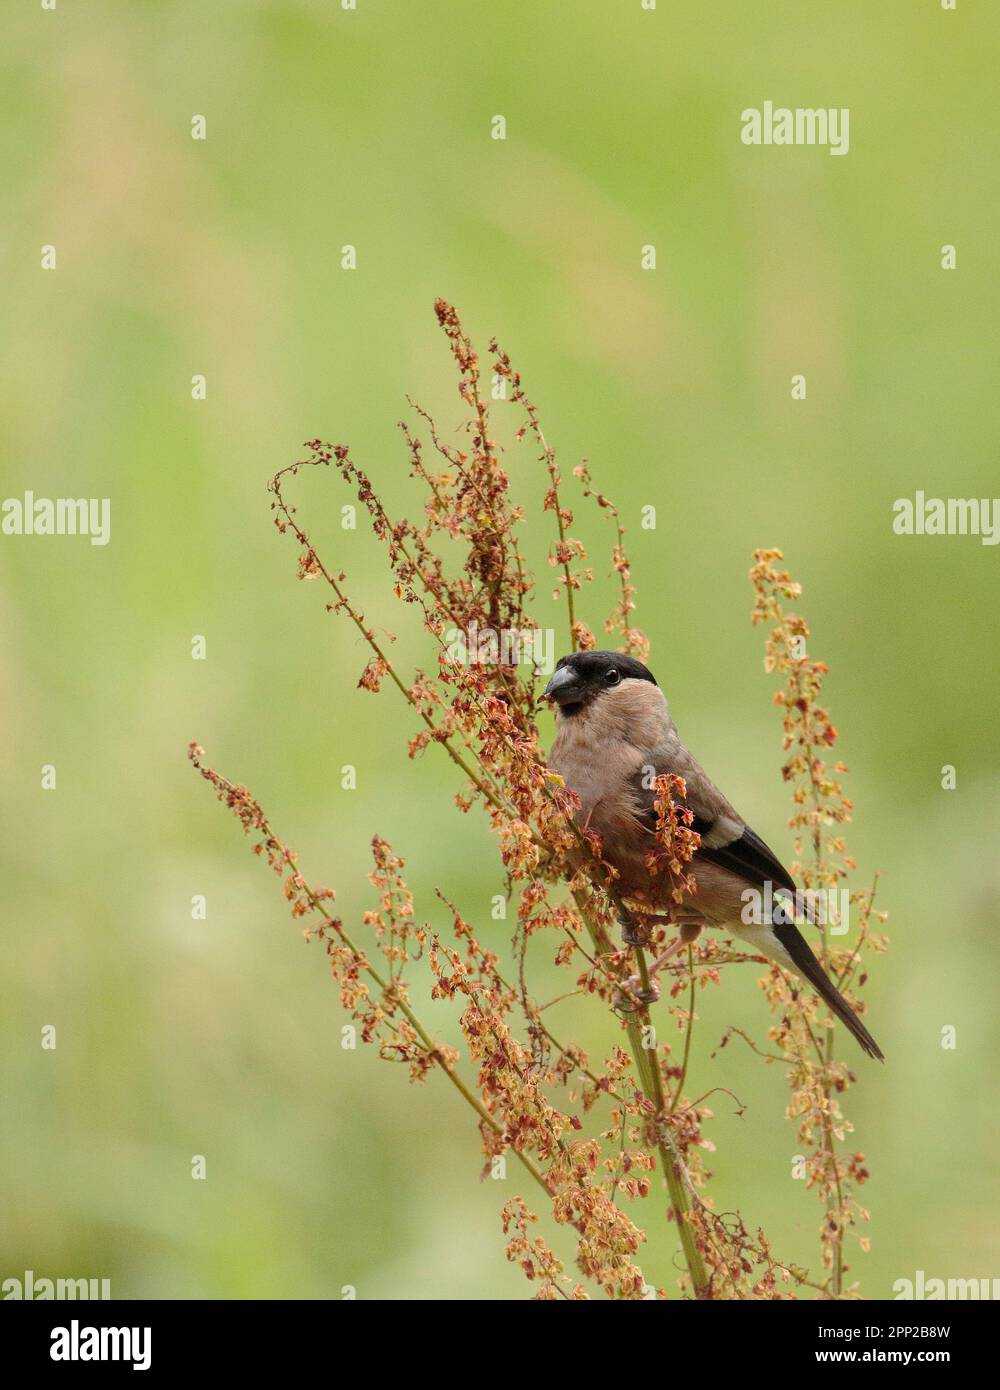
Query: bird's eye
[(612, 677)]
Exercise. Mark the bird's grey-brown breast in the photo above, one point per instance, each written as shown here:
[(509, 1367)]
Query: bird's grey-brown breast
[(603, 753)]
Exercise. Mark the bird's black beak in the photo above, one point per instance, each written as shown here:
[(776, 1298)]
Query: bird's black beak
[(564, 688)]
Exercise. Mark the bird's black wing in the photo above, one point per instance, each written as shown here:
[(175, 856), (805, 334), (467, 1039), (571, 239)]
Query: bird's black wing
[(725, 839), (748, 856)]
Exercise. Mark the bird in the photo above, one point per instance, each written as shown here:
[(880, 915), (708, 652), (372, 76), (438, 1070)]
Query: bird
[(614, 736)]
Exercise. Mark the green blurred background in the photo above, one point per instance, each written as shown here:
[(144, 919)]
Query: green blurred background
[(222, 1038)]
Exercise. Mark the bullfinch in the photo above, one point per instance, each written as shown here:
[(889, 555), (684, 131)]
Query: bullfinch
[(614, 735)]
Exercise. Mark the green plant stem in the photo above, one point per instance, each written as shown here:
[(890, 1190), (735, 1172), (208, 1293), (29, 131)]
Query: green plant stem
[(687, 1037), (651, 1081), (671, 1165)]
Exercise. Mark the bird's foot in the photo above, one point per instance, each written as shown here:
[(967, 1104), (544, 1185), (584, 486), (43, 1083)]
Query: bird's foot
[(636, 926), (632, 996), (634, 933)]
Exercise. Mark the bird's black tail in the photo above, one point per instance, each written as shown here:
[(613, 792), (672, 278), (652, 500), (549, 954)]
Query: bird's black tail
[(810, 969)]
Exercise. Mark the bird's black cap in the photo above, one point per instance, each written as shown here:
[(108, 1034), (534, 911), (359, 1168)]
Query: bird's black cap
[(582, 676)]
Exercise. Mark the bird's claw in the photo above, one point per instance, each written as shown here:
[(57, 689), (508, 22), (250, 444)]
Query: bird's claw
[(632, 996), (635, 930)]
